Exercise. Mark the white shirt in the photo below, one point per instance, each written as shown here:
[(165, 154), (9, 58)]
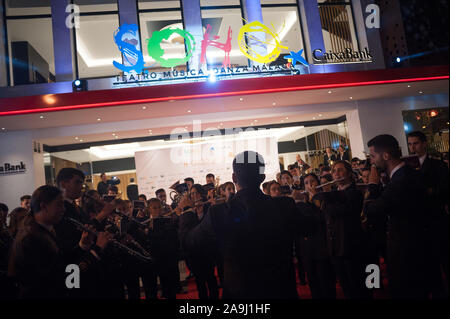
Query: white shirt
[(396, 168), (422, 159)]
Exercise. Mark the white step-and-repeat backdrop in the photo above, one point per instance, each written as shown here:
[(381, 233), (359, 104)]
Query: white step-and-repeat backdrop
[(160, 168)]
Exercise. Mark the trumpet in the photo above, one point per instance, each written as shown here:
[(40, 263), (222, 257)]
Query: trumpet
[(143, 255)]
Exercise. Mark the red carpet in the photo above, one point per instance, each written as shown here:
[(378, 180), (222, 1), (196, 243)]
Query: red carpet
[(303, 291)]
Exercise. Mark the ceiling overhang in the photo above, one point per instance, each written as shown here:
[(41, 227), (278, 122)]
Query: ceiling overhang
[(225, 88)]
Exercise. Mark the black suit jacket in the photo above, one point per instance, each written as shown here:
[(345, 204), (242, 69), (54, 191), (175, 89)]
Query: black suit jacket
[(326, 159), (36, 263), (404, 202), (342, 211), (255, 235)]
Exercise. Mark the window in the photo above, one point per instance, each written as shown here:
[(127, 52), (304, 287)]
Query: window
[(30, 42), (155, 4), (155, 16), (337, 25), (96, 49), (285, 22)]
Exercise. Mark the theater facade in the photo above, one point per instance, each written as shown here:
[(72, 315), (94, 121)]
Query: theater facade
[(94, 84)]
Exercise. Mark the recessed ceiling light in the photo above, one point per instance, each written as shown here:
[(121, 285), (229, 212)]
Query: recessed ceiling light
[(149, 130), (221, 123), (255, 120), (420, 92), (409, 85), (41, 117), (76, 137), (116, 136), (99, 119), (113, 134), (144, 107), (314, 118), (282, 121), (424, 126), (351, 97), (3, 129), (287, 118), (189, 111), (320, 115), (241, 99), (81, 140), (274, 103), (329, 92)]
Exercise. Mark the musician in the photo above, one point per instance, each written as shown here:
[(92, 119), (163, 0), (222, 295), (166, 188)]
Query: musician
[(347, 243), (189, 181), (113, 190), (230, 190), (365, 173), (403, 201), (163, 243), (286, 178), (201, 261), (313, 244), (275, 189), (36, 260), (254, 233), (265, 187), (324, 179), (329, 157), (435, 175), (210, 178), (70, 182)]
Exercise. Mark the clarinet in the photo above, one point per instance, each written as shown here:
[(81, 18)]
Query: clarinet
[(143, 255)]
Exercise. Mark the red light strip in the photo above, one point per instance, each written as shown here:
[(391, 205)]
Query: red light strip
[(208, 95)]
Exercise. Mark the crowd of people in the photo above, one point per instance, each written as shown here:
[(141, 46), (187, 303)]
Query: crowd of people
[(327, 224)]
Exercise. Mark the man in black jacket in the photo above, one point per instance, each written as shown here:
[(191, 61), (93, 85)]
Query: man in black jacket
[(404, 202), (435, 175), (254, 233)]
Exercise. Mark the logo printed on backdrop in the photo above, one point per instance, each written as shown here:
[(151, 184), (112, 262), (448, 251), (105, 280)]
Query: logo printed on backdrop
[(157, 52)]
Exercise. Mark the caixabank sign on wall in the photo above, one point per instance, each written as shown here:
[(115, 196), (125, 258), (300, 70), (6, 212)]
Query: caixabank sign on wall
[(8, 168)]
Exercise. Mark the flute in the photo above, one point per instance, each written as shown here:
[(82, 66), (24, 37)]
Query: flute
[(331, 183)]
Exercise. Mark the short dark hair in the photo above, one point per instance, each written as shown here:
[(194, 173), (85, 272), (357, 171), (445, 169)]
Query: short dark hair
[(3, 207), (159, 191), (355, 159), (346, 164), (25, 197), (44, 194), (113, 188), (326, 169), (199, 188), (328, 177), (286, 173), (153, 200), (67, 173), (420, 135), (248, 168), (189, 179), (386, 143), (142, 195), (210, 175), (102, 174), (312, 175)]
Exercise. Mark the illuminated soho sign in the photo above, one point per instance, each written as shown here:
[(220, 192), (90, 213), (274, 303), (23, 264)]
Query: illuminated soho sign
[(135, 60)]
